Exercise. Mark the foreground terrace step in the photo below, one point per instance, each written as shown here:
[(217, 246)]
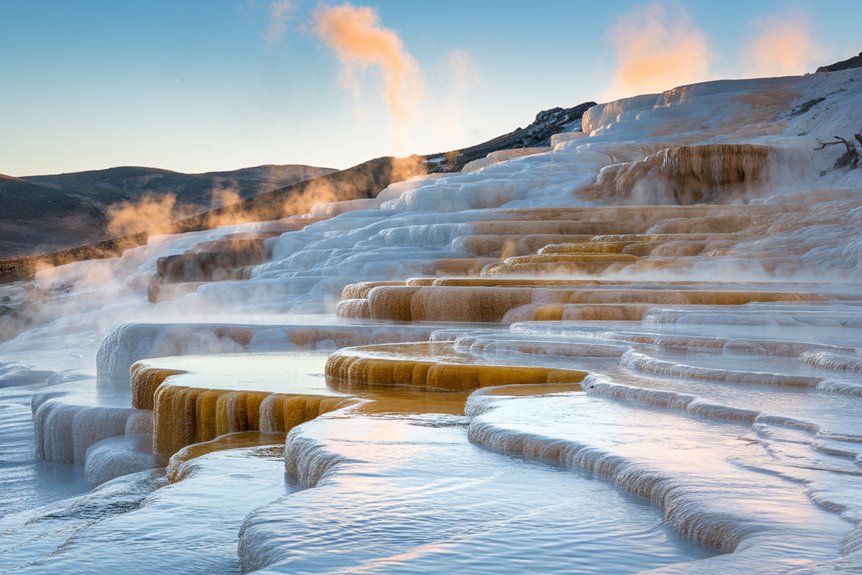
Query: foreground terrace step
[(432, 366), (131, 342), (438, 504), (182, 464), (93, 422), (774, 359), (188, 527), (446, 303), (720, 483), (782, 398), (198, 398), (69, 419)]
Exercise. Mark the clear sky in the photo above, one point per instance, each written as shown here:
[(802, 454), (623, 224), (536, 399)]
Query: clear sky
[(200, 85)]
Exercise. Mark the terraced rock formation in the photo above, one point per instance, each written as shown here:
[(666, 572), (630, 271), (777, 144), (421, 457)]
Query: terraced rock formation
[(638, 349)]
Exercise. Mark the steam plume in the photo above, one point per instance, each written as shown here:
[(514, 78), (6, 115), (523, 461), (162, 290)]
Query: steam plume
[(280, 12), (226, 207), (152, 213), (657, 50), (463, 70), (462, 74), (360, 40), (783, 48)]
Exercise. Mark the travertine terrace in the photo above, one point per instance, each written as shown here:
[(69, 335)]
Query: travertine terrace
[(663, 310)]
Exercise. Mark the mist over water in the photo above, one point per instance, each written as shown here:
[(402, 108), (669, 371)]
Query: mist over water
[(637, 349)]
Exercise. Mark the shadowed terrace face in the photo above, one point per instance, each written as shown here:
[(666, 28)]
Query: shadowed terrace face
[(218, 85)]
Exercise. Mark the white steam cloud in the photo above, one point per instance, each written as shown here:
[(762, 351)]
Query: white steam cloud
[(280, 13), (657, 49), (359, 40), (783, 47)]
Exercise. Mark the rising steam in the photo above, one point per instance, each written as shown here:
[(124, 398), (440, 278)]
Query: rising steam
[(152, 213), (463, 71), (462, 74), (226, 207), (360, 40), (280, 12), (157, 213), (783, 48), (657, 50)]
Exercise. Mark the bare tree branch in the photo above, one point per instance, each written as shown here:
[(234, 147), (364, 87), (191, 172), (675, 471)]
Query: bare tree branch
[(849, 158), (841, 140)]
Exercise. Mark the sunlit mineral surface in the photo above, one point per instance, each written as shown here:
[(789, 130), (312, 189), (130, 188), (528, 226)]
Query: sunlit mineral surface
[(637, 350)]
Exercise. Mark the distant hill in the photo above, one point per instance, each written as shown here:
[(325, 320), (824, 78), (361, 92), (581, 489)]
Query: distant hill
[(35, 218), (44, 213)]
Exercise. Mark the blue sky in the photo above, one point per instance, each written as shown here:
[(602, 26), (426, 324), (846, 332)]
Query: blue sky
[(198, 85)]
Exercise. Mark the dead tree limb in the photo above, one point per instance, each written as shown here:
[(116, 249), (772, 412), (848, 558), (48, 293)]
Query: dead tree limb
[(850, 157), (848, 145)]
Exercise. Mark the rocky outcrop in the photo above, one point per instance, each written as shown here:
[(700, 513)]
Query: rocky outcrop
[(854, 62), (537, 134)]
